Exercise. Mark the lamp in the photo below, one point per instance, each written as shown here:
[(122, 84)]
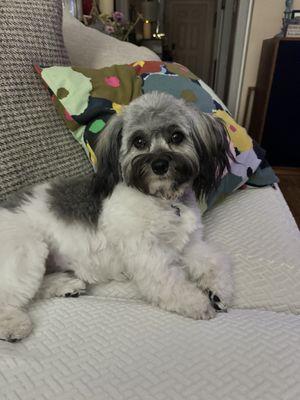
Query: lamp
[(123, 6)]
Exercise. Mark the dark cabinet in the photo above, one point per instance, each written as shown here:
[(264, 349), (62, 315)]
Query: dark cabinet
[(275, 119)]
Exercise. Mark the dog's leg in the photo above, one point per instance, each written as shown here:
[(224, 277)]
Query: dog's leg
[(15, 324), (163, 283), (22, 266), (210, 269), (61, 284)]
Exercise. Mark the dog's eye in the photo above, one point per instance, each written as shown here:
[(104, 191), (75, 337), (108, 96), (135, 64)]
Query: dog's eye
[(177, 137), (139, 143)]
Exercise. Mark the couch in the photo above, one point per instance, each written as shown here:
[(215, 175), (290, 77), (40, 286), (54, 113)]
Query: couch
[(110, 344)]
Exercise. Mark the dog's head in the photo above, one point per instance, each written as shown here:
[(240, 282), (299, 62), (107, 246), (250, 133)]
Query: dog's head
[(162, 146)]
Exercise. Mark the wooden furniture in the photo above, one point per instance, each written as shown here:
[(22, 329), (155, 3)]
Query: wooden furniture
[(154, 45), (289, 182), (275, 115)]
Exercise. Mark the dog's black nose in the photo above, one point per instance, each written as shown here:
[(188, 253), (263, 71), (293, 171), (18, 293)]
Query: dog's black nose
[(160, 166)]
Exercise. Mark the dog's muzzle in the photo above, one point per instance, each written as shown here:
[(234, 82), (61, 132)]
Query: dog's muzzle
[(165, 171), (160, 165)]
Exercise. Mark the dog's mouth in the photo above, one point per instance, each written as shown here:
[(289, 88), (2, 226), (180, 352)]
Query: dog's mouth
[(168, 190), (165, 175)]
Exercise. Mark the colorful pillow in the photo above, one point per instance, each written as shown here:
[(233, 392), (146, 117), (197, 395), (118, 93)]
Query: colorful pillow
[(86, 98)]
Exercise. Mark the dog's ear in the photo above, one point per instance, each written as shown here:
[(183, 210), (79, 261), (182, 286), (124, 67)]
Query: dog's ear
[(107, 152), (212, 146)]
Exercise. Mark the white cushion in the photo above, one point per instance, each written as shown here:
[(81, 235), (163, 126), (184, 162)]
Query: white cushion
[(90, 48), (98, 348), (256, 228)]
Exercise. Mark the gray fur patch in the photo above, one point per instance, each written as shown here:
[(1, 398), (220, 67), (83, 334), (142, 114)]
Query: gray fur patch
[(16, 200), (74, 200)]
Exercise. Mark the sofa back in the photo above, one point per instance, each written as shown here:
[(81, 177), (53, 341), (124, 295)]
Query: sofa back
[(34, 142)]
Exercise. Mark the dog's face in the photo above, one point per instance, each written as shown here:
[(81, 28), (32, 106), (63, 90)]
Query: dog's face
[(161, 146), (157, 154)]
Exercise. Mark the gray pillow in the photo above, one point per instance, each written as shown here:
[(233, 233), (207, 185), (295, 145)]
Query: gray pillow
[(34, 142)]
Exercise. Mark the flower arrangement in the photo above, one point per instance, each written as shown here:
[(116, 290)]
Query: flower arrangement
[(115, 25)]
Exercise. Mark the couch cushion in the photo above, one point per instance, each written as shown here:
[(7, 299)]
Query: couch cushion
[(34, 143), (92, 348)]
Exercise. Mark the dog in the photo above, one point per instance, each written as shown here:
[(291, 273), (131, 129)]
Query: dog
[(136, 217)]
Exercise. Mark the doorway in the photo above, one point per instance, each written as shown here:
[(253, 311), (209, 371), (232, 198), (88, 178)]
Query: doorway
[(210, 38), (190, 32)]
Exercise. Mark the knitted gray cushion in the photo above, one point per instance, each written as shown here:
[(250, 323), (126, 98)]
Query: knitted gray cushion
[(34, 142)]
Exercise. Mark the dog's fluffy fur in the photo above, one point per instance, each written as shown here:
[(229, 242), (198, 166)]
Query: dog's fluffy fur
[(137, 216)]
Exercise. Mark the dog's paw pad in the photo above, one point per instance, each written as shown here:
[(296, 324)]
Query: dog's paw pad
[(72, 287), (77, 294), (216, 302), (74, 294), (11, 340)]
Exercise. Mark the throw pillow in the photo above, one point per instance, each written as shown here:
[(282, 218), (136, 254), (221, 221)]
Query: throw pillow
[(86, 98)]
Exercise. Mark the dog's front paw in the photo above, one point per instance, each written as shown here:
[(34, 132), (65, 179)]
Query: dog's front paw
[(217, 285), (216, 302), (219, 292), (219, 299), (61, 284), (14, 325), (74, 288), (195, 305), (205, 311)]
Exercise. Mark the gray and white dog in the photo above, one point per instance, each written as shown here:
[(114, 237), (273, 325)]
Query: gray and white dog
[(137, 216)]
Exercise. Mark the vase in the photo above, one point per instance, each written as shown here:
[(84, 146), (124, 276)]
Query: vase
[(123, 6)]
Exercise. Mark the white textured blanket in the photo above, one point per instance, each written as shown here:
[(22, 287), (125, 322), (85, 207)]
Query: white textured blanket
[(98, 348)]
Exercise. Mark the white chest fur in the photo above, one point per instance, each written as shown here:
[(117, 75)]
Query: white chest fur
[(131, 215)]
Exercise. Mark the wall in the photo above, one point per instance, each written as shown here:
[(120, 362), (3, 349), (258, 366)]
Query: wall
[(266, 22)]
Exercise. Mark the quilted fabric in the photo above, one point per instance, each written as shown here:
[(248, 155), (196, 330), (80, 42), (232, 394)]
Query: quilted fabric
[(35, 145), (86, 98), (97, 348), (255, 227)]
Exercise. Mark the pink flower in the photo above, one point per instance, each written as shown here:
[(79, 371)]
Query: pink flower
[(118, 16), (109, 29)]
